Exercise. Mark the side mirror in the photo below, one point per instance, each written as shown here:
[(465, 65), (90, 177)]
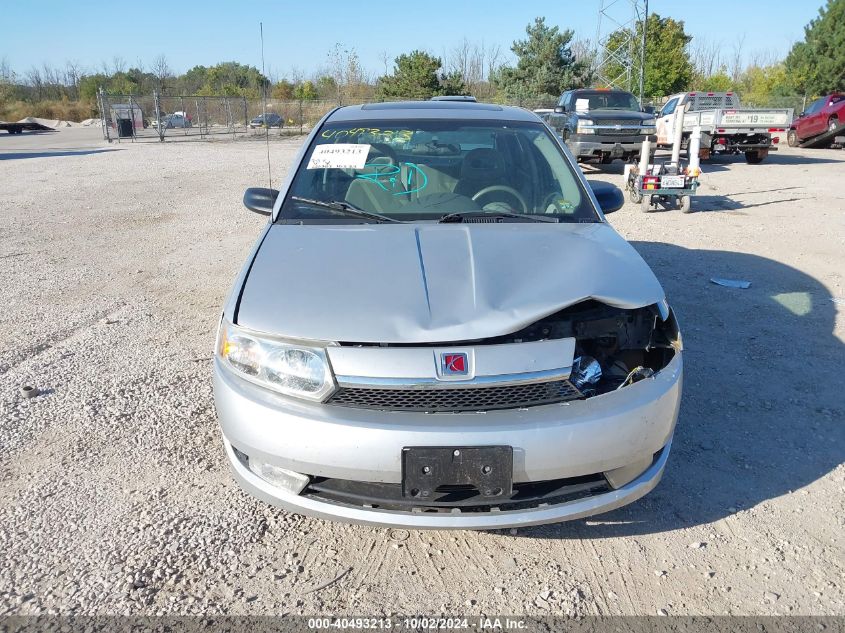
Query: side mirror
[(649, 109), (802, 115), (559, 110), (260, 199), (609, 196)]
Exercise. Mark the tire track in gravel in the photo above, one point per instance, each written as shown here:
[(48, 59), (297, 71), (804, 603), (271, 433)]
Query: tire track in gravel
[(429, 568), (594, 580), (27, 353), (369, 560), (460, 554)]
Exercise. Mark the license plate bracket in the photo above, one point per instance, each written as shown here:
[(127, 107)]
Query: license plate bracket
[(489, 469)]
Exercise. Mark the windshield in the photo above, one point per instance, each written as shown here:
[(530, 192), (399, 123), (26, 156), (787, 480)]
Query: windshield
[(609, 100), (426, 169)]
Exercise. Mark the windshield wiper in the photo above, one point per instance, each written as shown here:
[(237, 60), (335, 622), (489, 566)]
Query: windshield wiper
[(344, 207), (460, 217)]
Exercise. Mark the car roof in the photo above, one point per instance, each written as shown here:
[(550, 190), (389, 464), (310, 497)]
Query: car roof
[(600, 90), (431, 110)]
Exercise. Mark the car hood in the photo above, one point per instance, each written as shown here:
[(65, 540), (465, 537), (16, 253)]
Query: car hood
[(433, 283), (618, 115)]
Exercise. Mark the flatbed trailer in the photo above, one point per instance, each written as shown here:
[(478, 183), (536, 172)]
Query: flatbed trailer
[(18, 128), (726, 126)]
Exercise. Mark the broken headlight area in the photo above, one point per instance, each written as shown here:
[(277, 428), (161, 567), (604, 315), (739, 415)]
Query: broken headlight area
[(615, 347)]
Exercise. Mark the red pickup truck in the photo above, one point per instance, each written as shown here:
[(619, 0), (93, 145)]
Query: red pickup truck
[(821, 116)]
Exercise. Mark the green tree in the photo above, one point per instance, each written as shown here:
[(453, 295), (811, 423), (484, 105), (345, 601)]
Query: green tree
[(306, 91), (668, 68), (414, 77), (89, 85), (123, 83), (453, 84), (226, 78), (717, 82), (193, 80), (758, 84), (545, 66), (326, 87), (283, 90), (817, 65)]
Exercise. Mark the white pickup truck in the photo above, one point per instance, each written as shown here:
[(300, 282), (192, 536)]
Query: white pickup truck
[(725, 127)]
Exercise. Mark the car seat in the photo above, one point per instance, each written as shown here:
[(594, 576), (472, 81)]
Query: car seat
[(481, 167)]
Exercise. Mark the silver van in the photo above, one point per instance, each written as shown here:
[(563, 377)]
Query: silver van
[(437, 328)]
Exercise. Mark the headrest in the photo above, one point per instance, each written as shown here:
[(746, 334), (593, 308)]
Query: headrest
[(483, 162)]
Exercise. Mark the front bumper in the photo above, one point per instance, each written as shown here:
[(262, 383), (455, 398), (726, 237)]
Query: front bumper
[(600, 146), (568, 440)]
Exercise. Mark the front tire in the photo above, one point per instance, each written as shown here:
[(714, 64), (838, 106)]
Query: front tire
[(832, 124), (635, 196), (792, 138)]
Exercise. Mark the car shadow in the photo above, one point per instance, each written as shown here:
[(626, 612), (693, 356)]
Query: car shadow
[(762, 404), (30, 133), (709, 204), (779, 158), (803, 159), (52, 154), (618, 166), (721, 162)]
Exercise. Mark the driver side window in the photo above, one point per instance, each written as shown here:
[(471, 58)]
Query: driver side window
[(669, 108), (565, 100)]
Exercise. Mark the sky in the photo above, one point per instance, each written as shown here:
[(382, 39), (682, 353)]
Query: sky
[(299, 35)]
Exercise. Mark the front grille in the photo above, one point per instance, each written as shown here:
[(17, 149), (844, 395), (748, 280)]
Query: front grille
[(635, 129), (456, 399)]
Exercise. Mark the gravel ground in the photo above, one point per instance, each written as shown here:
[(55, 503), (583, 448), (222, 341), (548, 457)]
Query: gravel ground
[(115, 496)]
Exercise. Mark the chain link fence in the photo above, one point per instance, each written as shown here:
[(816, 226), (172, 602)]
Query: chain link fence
[(160, 117), (155, 117)]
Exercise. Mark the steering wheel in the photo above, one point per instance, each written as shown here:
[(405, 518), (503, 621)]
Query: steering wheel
[(553, 199), (505, 189)]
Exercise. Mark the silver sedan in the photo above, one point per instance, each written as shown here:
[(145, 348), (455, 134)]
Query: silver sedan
[(437, 328)]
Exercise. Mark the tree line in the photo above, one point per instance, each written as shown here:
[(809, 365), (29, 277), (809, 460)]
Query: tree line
[(547, 61)]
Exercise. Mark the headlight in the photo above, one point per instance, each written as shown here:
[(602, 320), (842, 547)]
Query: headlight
[(586, 373), (649, 126), (650, 123), (581, 130), (291, 369)]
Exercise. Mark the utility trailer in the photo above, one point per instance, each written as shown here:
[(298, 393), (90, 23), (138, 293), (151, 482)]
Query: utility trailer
[(726, 127), (18, 128)]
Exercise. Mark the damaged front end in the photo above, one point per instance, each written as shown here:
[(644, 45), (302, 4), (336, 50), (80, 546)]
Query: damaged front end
[(580, 352), (614, 347)]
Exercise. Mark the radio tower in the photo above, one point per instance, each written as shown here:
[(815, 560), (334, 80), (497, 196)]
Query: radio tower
[(615, 59)]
